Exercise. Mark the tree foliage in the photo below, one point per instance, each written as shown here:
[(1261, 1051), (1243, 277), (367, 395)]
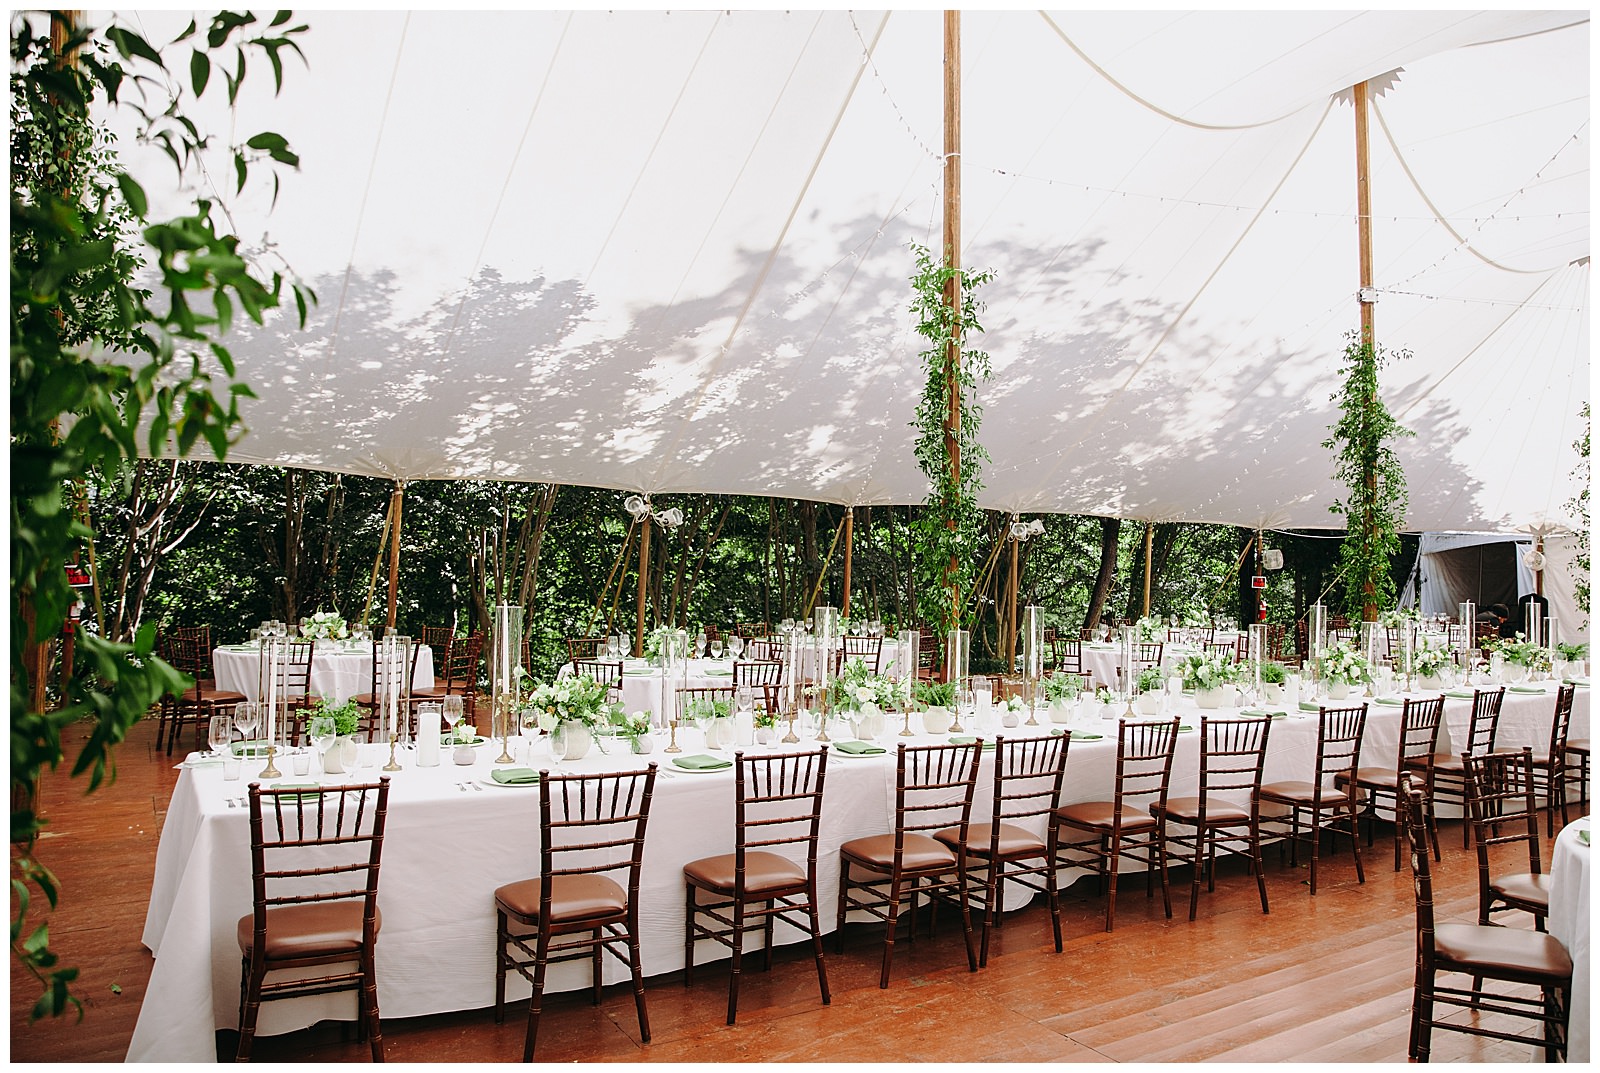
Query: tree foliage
[(1365, 463), (103, 370), (1579, 506)]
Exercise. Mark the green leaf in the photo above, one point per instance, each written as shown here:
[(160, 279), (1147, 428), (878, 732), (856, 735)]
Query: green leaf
[(199, 70), (130, 44), (133, 194)]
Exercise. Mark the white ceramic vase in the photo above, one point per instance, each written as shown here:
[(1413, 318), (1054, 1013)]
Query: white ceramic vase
[(340, 756), (579, 739), (1337, 689), (937, 720)]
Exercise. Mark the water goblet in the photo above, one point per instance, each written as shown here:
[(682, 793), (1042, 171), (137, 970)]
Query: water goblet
[(558, 743), (247, 717), (529, 728), (219, 734), (453, 713), (735, 646), (716, 648)]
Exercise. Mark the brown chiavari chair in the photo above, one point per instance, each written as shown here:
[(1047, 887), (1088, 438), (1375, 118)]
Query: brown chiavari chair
[(1419, 740), (1578, 769), (1503, 811), (439, 638), (1327, 802), (371, 701), (583, 648), (1549, 767), (867, 649), (188, 649), (1146, 654), (1232, 755), (1027, 785), (459, 677), (1222, 650), (1068, 655), (1505, 955), (1449, 774), (297, 685), (933, 785), (761, 648), (751, 630), (1123, 827), (314, 858), (757, 672), (591, 827), (607, 672), (777, 815)]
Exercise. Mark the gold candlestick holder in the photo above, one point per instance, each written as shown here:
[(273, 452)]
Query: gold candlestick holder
[(791, 738), (1030, 696), (672, 737), (503, 712), (271, 770), (906, 732), (393, 764)]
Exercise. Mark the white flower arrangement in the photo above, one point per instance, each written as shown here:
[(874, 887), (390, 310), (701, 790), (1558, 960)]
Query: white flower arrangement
[(1205, 671), (1430, 658), (655, 643), (571, 700), (1149, 630), (328, 625), (1011, 704), (1059, 687), (1342, 663), (856, 688)]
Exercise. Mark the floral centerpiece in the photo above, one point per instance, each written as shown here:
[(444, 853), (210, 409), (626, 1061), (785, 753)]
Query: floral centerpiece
[(657, 641), (1061, 687), (1573, 653), (1149, 630), (635, 727), (1396, 617), (1150, 680), (856, 689), (1211, 678), (325, 625), (938, 700), (1524, 655), (1195, 620), (1429, 659), (1343, 667), (580, 700)]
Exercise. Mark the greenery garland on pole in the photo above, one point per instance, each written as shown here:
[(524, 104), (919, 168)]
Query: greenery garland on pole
[(1579, 506), (949, 523), (1366, 463), (103, 370)]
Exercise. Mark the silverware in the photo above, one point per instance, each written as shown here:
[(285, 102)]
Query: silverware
[(461, 786), (476, 787)]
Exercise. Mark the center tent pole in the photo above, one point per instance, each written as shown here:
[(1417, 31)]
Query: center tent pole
[(644, 581), (1366, 300), (849, 543), (952, 253), (396, 503)]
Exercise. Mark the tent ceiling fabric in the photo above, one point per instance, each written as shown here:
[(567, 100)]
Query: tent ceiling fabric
[(670, 252)]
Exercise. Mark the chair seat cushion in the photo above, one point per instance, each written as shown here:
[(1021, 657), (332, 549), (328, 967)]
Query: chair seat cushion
[(1100, 815), (1525, 888), (315, 929), (920, 853), (365, 700), (1445, 764), (571, 898), (1294, 792), (763, 871), (208, 693), (1014, 841), (1578, 745), (1187, 810), (1514, 952), (1372, 778)]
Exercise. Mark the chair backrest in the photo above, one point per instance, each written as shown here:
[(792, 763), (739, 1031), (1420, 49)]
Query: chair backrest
[(1560, 725), (1144, 763), (933, 786), (607, 672), (188, 649), (381, 685), (867, 649), (1233, 753), (1419, 736), (760, 648), (757, 672), (691, 696), (584, 648), (440, 639), (1223, 650), (1146, 654), (461, 663), (1027, 778), (316, 846), (1413, 817), (1502, 805), (1339, 732), (777, 803), (592, 825), (1069, 655), (1485, 720), (749, 630)]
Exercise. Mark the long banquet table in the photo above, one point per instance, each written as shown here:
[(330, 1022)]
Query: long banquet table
[(1569, 922), (337, 672), (454, 836)]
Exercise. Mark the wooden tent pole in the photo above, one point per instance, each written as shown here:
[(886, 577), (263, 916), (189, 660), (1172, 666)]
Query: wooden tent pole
[(1008, 651), (849, 545), (952, 253), (1149, 535), (644, 582), (1369, 595), (377, 562), (397, 503)]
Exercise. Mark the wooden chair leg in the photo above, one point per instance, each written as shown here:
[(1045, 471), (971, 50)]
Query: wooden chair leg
[(816, 945), (688, 934), (738, 959)]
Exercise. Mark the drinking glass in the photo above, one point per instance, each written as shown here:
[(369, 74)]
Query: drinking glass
[(219, 734), (735, 646), (528, 726), (558, 743), (323, 741), (247, 717), (716, 648), (699, 645), (453, 713)]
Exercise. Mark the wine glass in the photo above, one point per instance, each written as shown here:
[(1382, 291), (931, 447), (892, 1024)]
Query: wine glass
[(323, 736), (528, 726), (699, 645), (219, 734), (247, 717), (716, 647), (453, 713), (558, 743), (735, 646)]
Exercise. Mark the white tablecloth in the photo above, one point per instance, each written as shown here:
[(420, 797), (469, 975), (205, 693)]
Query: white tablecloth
[(448, 848), (1569, 922), (336, 673)]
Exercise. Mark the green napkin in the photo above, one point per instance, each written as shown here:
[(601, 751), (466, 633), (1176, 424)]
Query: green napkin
[(250, 748), (311, 788), (968, 739), (1460, 694), (859, 748), (514, 776), (1583, 836), (1263, 711), (1310, 706), (701, 762), (1525, 689), (1574, 681), (717, 672), (1084, 735), (1184, 728), (1395, 701)]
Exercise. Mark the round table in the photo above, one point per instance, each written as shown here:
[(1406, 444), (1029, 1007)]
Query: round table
[(1569, 922)]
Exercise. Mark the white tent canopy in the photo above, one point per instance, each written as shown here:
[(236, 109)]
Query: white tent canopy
[(669, 252), (1493, 568)]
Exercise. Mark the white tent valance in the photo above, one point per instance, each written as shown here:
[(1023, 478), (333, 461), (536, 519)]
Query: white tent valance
[(669, 252)]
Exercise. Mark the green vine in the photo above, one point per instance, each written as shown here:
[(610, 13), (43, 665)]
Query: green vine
[(950, 522), (1365, 462), (1579, 506)]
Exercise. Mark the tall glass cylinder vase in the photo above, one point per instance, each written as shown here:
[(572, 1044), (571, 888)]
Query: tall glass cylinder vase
[(1316, 637), (957, 657), (909, 642), (1033, 641), (1256, 652), (1374, 641), (505, 664)]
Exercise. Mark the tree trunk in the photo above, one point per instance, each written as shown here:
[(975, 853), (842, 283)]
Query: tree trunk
[(1110, 532)]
